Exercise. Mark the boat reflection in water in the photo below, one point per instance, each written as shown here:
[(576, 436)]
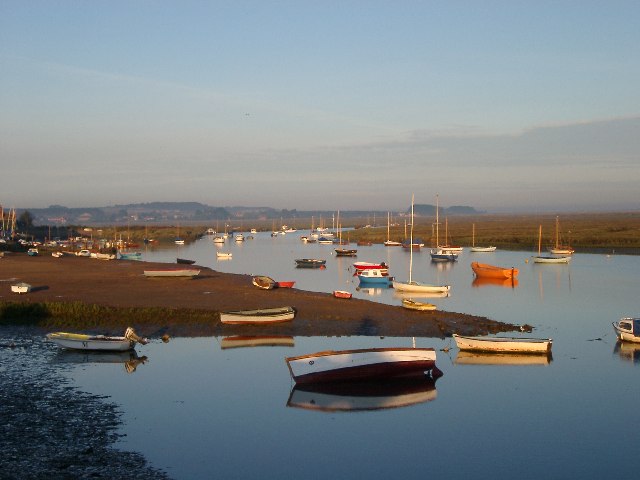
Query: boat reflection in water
[(513, 359), (358, 396), (129, 359), (628, 351), (496, 282), (240, 341), (372, 291)]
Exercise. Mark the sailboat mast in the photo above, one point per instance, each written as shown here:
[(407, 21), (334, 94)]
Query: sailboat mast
[(539, 240), (437, 223), (411, 244)]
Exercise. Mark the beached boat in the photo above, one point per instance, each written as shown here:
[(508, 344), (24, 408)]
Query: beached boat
[(349, 396), (412, 304), (21, 288), (32, 252), (103, 256), (264, 282), (365, 363), (241, 341), (172, 272), (503, 344), (310, 263), (285, 284), (342, 294), (628, 329), (185, 261), (375, 276), (79, 341), (258, 316), (491, 271)]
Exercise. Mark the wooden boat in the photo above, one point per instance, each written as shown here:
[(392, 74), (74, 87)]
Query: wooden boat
[(185, 261), (375, 276), (285, 284), (559, 249), (79, 341), (224, 255), (545, 258), (491, 271), (172, 272), (241, 341), (264, 282), (411, 304), (411, 285), (365, 363), (32, 252), (346, 252), (342, 294), (21, 288), (362, 266), (349, 396), (504, 344), (476, 249), (310, 263), (628, 329), (258, 316)]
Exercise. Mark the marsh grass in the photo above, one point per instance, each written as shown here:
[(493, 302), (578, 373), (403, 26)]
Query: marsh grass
[(87, 316)]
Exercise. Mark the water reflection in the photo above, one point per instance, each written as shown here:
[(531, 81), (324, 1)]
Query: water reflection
[(479, 358), (496, 282), (628, 351), (240, 341), (363, 395), (403, 295), (129, 359)]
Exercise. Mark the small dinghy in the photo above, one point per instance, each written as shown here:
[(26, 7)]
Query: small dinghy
[(79, 341), (258, 316)]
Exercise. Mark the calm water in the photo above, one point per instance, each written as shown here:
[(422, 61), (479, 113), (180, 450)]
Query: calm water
[(199, 410)]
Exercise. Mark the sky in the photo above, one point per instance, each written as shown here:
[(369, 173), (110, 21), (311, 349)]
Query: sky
[(506, 106)]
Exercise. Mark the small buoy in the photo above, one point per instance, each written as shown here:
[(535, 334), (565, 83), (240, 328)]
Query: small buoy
[(165, 338)]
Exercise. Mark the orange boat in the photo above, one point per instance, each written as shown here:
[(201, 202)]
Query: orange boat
[(491, 271)]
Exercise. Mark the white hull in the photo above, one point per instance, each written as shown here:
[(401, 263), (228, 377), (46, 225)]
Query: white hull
[(262, 316), (503, 344), (628, 329), (420, 287), (483, 249), (88, 342), (540, 259), (360, 364), (21, 288), (171, 273)]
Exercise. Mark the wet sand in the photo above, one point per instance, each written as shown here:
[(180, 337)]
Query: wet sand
[(122, 284)]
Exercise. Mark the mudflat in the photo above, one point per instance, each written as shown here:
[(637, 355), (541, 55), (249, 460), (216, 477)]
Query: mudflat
[(121, 284)]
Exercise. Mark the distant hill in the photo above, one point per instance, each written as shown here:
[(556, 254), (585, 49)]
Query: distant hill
[(425, 210), (175, 212)]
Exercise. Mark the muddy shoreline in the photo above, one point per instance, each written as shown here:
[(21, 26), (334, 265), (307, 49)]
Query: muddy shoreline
[(190, 307)]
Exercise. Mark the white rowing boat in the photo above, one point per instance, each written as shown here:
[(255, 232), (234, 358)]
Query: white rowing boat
[(362, 363), (258, 316), (20, 288), (503, 344), (80, 341)]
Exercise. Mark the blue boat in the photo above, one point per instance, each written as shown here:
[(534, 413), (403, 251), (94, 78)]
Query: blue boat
[(440, 255), (374, 276), (130, 255)]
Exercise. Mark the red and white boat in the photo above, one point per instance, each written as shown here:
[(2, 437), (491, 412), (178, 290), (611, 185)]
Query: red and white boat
[(361, 266), (342, 294), (362, 364), (285, 284)]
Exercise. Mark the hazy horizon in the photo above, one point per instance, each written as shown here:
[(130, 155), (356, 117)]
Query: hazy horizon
[(506, 107)]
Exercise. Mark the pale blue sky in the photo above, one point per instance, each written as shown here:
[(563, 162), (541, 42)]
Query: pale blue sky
[(503, 105)]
